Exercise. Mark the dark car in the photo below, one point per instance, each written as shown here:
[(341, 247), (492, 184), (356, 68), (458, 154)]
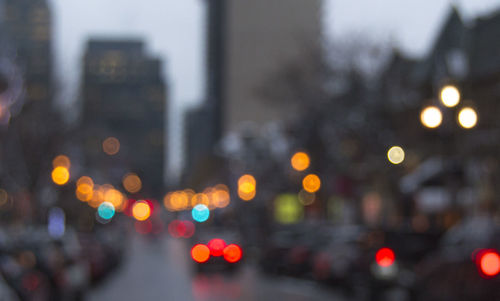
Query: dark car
[(465, 267)]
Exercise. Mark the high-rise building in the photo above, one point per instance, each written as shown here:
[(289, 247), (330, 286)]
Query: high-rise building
[(248, 43), (124, 96), (28, 31)]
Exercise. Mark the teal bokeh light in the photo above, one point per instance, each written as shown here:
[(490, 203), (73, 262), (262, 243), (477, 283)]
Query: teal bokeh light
[(106, 210), (200, 213)]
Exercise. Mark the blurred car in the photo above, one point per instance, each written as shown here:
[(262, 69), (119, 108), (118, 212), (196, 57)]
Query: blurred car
[(466, 266), (216, 251)]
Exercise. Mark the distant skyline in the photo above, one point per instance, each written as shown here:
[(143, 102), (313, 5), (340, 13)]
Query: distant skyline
[(174, 31)]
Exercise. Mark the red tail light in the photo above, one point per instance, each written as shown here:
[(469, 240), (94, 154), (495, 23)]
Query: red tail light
[(216, 246), (200, 253), (488, 262), (232, 253), (385, 257)]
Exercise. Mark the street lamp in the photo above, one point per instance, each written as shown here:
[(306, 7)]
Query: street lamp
[(431, 116)]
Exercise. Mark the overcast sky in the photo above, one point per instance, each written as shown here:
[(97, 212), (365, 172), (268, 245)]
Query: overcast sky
[(173, 30)]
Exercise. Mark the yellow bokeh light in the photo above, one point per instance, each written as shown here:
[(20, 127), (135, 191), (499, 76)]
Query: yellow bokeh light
[(467, 118), (396, 155), (300, 161), (132, 183), (311, 183), (62, 161), (141, 211), (431, 117), (60, 175), (111, 146), (450, 96)]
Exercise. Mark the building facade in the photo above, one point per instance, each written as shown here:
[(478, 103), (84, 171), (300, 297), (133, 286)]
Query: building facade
[(124, 97)]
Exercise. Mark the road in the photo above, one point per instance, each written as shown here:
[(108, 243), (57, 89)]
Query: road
[(162, 271)]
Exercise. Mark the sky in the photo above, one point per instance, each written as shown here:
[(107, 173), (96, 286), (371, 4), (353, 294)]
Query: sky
[(174, 31)]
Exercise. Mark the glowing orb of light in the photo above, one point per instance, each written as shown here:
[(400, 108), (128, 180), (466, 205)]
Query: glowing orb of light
[(300, 161), (311, 183), (431, 117), (450, 96), (60, 175), (106, 210), (141, 211), (467, 118), (200, 213), (396, 155)]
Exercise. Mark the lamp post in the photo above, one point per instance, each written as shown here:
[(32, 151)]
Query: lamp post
[(434, 118)]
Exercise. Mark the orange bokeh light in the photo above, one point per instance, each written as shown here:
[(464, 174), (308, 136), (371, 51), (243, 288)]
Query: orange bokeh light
[(300, 161), (60, 175), (311, 183), (232, 253), (111, 146), (132, 183), (247, 187), (141, 211), (200, 253), (61, 160)]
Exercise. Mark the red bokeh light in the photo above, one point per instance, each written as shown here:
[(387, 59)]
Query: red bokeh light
[(189, 226), (216, 246), (488, 262), (200, 253), (385, 257), (179, 228), (232, 253)]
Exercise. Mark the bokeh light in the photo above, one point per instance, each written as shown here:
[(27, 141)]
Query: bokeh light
[(106, 210), (62, 161), (431, 117), (232, 253), (200, 198), (311, 183), (216, 246), (141, 210), (396, 155), (306, 198), (385, 257), (288, 209), (467, 118), (200, 253), (84, 188), (60, 175), (489, 263), (450, 96), (111, 146), (300, 161), (220, 198), (115, 197), (200, 213), (247, 187), (132, 183)]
